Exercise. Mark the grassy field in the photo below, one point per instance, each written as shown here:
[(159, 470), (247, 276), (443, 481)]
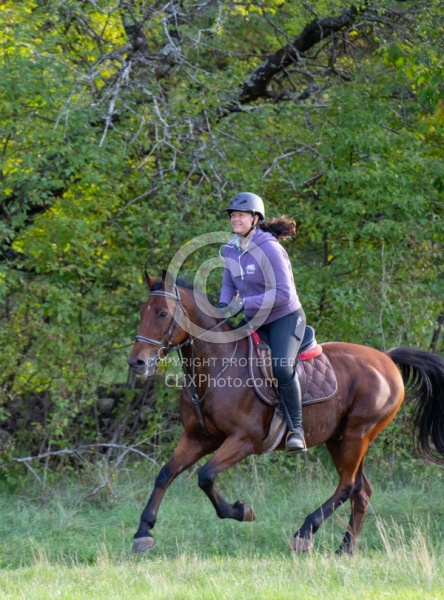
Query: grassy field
[(64, 542)]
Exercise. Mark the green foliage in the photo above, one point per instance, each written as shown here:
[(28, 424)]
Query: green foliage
[(122, 137)]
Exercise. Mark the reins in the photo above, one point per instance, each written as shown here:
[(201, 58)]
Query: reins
[(167, 348), (195, 399)]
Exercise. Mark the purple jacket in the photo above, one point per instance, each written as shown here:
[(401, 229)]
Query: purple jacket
[(262, 276)]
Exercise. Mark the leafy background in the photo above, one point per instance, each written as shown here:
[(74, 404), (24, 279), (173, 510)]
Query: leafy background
[(126, 127)]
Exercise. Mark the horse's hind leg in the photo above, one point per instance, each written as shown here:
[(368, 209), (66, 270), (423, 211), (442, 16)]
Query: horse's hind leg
[(347, 455), (232, 451), (187, 453), (359, 501)]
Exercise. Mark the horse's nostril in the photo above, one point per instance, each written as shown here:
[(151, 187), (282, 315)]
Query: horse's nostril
[(136, 363)]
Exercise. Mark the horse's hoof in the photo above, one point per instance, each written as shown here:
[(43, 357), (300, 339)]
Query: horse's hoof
[(248, 513), (143, 544), (345, 551), (244, 512), (300, 544)]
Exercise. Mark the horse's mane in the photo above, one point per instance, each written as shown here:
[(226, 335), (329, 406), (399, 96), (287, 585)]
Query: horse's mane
[(184, 283), (179, 282)]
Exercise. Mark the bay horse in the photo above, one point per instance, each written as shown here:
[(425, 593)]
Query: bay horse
[(232, 423)]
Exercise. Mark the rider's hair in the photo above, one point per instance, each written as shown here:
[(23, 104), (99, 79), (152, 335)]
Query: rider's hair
[(281, 227)]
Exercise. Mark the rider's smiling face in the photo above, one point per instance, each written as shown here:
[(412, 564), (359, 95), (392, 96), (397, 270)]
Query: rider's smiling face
[(241, 221)]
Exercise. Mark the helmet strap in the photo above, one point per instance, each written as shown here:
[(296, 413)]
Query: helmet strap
[(253, 226), (249, 231)]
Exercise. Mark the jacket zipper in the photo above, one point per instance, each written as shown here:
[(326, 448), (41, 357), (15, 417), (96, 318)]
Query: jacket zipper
[(242, 272)]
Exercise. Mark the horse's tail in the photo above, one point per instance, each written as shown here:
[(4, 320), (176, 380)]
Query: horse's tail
[(423, 375)]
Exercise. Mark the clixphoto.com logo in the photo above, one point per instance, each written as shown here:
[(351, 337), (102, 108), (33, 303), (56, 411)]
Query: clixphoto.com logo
[(204, 381)]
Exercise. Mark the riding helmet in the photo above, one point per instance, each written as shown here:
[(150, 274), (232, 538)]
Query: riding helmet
[(247, 202)]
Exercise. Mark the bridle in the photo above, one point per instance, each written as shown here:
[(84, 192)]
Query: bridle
[(168, 347), (172, 329), (174, 325)]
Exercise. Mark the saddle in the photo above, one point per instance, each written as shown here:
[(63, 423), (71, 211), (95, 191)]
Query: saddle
[(316, 375)]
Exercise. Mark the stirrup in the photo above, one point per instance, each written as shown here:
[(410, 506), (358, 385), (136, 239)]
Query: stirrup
[(295, 442)]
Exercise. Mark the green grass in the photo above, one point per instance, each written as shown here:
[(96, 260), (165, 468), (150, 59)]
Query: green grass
[(61, 542)]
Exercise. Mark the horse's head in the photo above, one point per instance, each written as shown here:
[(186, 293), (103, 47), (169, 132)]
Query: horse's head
[(161, 327)]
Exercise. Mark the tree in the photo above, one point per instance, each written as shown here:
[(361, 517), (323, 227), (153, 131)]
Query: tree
[(125, 128)]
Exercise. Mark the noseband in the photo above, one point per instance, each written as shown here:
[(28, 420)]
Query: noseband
[(174, 325)]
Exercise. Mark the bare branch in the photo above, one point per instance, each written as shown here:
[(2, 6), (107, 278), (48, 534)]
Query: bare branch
[(305, 148), (86, 448), (256, 85)]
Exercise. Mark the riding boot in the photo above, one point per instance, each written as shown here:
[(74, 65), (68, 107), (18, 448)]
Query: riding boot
[(291, 397)]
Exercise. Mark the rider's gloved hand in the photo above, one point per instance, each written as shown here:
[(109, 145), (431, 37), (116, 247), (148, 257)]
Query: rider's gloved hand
[(235, 307)]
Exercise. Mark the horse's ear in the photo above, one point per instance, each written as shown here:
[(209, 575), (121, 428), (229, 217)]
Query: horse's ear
[(150, 281), (168, 280)]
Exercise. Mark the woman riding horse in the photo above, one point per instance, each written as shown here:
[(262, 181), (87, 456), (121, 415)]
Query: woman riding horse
[(254, 260), (231, 426)]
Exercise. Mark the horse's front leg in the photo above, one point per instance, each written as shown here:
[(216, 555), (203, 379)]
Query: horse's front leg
[(232, 451), (188, 452)]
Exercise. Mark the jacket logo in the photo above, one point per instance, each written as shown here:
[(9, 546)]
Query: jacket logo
[(250, 269)]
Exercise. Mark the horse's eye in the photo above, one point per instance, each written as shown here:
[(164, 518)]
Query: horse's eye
[(163, 314)]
